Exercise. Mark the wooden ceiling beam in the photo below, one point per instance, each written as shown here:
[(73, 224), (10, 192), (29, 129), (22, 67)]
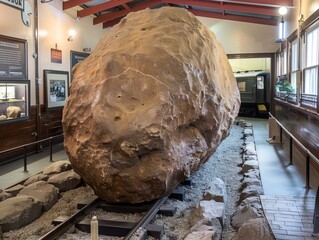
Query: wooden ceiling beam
[(276, 3), (112, 22), (233, 17), (101, 7), (73, 3), (227, 6), (113, 15)]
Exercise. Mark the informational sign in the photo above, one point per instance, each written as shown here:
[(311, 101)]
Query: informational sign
[(77, 57), (56, 55), (12, 58), (19, 4)]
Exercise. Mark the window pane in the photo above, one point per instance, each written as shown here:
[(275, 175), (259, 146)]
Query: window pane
[(312, 48), (284, 60), (294, 81), (294, 56), (311, 81)]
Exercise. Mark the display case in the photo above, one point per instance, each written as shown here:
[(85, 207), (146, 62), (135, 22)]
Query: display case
[(14, 100)]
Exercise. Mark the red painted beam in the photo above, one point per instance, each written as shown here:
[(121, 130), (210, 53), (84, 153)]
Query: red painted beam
[(113, 15), (73, 3), (233, 17), (111, 23), (100, 7), (287, 3), (228, 6)]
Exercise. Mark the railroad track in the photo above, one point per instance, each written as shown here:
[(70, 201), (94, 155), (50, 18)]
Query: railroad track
[(116, 228)]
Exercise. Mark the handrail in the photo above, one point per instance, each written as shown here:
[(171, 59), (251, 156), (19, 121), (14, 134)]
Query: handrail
[(24, 147), (306, 150)]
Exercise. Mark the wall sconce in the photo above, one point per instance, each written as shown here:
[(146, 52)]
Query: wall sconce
[(72, 34), (281, 27)]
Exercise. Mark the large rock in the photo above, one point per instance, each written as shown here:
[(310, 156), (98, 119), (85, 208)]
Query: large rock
[(46, 193), (149, 105), (65, 181), (18, 211), (255, 229)]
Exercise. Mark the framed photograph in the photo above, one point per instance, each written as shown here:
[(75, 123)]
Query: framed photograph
[(56, 88)]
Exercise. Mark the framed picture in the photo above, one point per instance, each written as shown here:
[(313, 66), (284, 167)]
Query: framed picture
[(56, 88), (77, 57)]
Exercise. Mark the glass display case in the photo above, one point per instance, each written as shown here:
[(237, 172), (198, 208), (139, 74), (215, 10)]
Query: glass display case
[(14, 100)]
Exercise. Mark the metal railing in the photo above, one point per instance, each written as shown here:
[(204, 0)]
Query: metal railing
[(25, 146), (293, 139)]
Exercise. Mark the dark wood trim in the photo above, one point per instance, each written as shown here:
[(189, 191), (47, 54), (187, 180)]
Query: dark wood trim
[(250, 55), (303, 110), (310, 20), (293, 36), (300, 122)]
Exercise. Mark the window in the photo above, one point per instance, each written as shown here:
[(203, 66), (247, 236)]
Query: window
[(294, 64), (310, 76)]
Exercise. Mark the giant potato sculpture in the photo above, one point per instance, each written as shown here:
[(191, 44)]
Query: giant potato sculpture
[(149, 105)]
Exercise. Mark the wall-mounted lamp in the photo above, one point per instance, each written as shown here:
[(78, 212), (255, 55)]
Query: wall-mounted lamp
[(281, 27), (72, 34)]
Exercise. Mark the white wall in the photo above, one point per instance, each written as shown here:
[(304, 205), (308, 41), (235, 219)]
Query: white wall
[(54, 25), (307, 8), (242, 37), (248, 64)]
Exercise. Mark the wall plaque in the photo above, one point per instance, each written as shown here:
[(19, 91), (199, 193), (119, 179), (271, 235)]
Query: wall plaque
[(13, 63), (19, 4)]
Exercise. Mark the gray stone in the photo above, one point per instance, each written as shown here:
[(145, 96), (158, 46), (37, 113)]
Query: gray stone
[(253, 202), (250, 164), (15, 189), (18, 211), (243, 215), (250, 181), (141, 117), (248, 124), (250, 200), (202, 235), (250, 149), (57, 167), (248, 132), (140, 234), (46, 193), (65, 181), (209, 210), (253, 173), (251, 191), (4, 195), (242, 123), (205, 228), (255, 229), (249, 157), (216, 191), (249, 139), (37, 177)]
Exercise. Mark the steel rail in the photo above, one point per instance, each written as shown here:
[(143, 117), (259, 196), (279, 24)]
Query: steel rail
[(149, 216), (68, 223)]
